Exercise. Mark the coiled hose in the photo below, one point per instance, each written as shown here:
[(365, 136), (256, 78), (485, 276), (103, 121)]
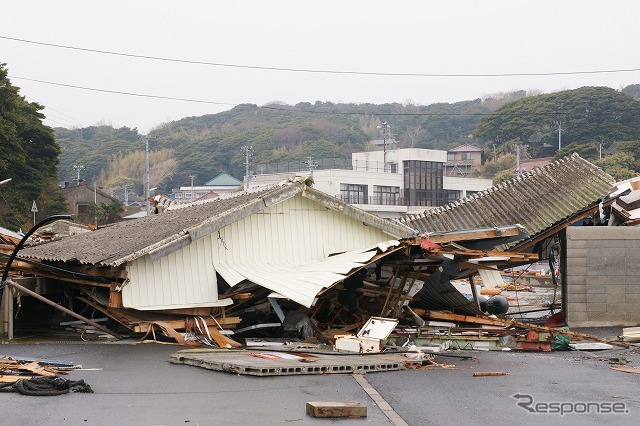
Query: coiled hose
[(46, 386)]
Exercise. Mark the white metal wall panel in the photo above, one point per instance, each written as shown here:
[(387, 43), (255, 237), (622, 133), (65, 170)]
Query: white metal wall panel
[(183, 279), (296, 231), (285, 248)]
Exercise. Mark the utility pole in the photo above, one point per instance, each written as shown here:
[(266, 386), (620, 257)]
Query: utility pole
[(192, 178), (600, 146), (559, 135), (78, 168), (494, 153), (385, 128), (126, 196), (146, 144), (95, 201), (517, 159), (247, 154)]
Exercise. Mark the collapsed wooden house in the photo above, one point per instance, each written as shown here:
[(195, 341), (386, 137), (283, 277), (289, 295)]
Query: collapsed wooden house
[(289, 239), (297, 244)]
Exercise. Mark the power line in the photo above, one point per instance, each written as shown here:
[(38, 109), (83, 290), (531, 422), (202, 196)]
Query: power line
[(116, 92), (305, 111), (320, 71)]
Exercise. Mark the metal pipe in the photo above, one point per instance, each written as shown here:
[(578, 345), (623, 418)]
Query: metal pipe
[(61, 308)]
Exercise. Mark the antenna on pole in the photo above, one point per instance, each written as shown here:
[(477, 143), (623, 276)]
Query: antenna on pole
[(78, 168), (311, 164)]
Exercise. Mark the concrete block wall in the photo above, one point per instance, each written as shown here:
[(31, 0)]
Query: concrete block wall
[(603, 276)]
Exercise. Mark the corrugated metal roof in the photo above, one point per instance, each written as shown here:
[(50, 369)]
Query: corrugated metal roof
[(536, 200), (158, 235)]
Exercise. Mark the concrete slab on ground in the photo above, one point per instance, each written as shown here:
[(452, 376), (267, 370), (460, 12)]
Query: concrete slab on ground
[(274, 363)]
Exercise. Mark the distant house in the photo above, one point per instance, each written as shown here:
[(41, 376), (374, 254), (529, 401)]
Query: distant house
[(463, 160), (80, 197), (221, 184)]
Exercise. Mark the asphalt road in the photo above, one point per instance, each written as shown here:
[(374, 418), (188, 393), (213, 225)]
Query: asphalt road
[(135, 384)]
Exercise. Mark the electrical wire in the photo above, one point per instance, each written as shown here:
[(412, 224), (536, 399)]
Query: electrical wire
[(120, 92), (306, 111), (322, 71)]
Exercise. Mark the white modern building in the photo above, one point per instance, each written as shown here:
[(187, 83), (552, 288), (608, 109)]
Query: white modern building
[(389, 183)]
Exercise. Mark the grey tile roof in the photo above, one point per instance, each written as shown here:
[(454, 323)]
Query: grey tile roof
[(536, 200), (110, 244), (161, 233)]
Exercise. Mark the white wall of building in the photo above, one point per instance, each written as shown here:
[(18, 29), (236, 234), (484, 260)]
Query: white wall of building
[(368, 169)]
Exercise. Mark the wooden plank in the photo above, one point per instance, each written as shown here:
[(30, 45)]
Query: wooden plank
[(230, 322), (138, 321), (626, 369), (336, 409), (110, 313), (35, 368), (473, 235), (198, 312), (222, 340), (13, 379), (488, 373)]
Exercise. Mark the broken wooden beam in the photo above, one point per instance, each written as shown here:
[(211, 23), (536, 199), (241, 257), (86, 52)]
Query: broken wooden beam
[(336, 409), (488, 373)]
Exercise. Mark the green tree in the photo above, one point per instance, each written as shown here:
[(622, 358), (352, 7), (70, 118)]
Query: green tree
[(621, 165), (584, 115), (503, 176), (104, 213), (28, 155)]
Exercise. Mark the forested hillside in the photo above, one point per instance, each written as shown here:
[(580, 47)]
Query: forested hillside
[(211, 144), (208, 145)]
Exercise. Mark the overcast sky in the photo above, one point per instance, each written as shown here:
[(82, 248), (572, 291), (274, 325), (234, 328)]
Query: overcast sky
[(365, 36)]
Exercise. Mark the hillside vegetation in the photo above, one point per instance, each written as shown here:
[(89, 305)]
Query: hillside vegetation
[(205, 146), (211, 144)]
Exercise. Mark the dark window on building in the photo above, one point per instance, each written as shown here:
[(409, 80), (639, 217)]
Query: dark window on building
[(466, 155), (452, 195), (353, 194), (386, 195), (423, 182), (451, 156)]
